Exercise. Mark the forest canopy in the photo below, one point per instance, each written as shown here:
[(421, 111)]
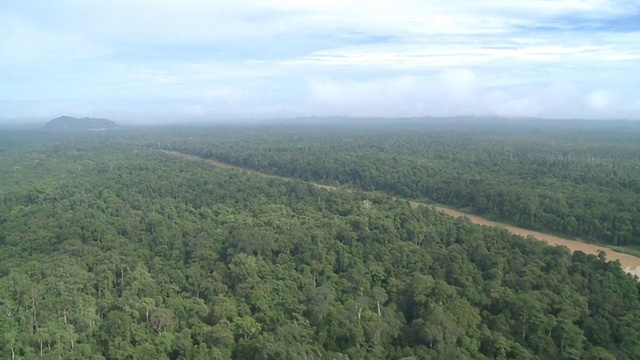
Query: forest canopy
[(570, 178), (111, 249)]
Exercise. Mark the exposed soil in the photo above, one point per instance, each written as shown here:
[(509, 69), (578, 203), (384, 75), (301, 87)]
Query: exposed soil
[(631, 264)]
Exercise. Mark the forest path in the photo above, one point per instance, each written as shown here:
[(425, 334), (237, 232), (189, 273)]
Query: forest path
[(629, 263)]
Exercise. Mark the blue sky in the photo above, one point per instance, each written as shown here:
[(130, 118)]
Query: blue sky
[(144, 60)]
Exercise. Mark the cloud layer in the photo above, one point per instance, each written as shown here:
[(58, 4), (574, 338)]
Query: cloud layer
[(145, 60)]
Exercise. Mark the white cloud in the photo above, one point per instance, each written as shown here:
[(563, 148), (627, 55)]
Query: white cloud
[(598, 100), (307, 57), (456, 92), (405, 95)]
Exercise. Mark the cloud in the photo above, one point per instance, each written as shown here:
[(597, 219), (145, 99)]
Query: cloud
[(203, 58), (598, 100), (440, 94), (452, 93)]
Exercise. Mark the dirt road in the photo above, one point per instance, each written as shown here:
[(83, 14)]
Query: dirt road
[(630, 264)]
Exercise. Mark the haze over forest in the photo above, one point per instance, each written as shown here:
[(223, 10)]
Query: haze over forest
[(196, 61), (350, 179)]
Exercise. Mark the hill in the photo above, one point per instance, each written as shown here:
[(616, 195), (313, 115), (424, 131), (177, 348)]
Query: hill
[(69, 123)]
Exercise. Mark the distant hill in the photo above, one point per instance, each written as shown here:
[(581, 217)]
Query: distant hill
[(69, 123)]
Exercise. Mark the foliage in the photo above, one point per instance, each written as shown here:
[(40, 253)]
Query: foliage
[(110, 249), (577, 181)]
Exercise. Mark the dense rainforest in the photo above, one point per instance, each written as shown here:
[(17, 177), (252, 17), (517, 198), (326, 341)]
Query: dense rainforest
[(111, 249), (569, 178)]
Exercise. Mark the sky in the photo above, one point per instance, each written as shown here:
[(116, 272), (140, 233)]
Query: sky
[(179, 60)]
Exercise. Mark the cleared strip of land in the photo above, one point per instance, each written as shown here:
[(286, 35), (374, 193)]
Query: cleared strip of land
[(631, 264)]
